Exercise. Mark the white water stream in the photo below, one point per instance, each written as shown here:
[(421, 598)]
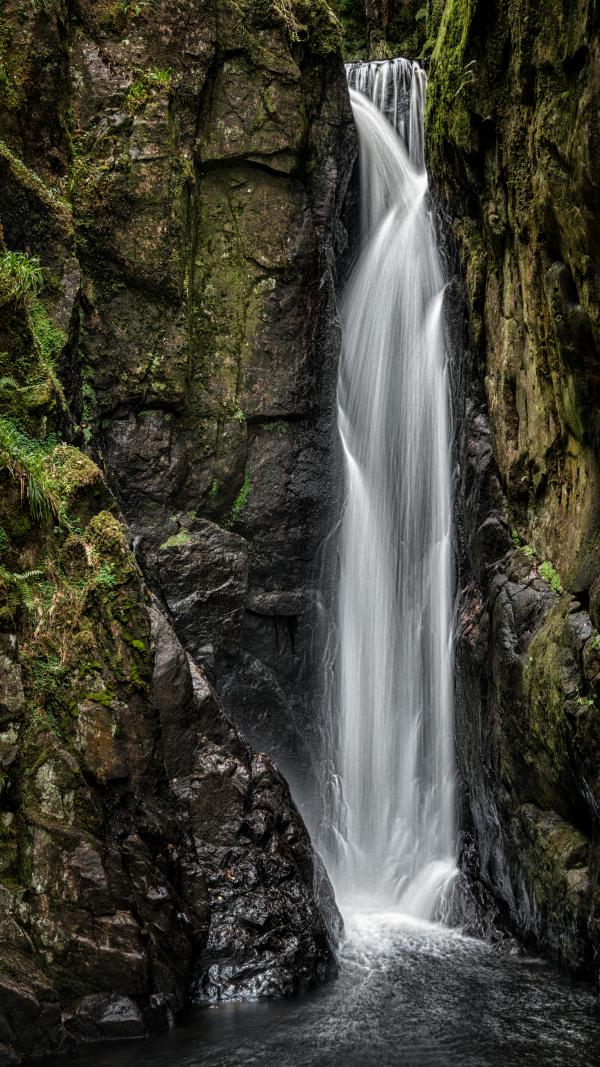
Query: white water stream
[(392, 807)]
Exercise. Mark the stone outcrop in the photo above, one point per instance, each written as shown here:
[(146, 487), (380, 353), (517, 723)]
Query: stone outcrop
[(512, 143)]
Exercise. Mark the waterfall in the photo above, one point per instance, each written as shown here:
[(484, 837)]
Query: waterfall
[(391, 808)]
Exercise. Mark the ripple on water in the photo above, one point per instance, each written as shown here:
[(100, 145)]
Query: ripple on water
[(410, 993)]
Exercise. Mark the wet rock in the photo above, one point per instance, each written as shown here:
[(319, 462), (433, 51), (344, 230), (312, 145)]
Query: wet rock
[(107, 1017), (204, 578), (12, 697)]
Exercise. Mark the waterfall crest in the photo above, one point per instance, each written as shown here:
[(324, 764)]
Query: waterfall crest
[(391, 812)]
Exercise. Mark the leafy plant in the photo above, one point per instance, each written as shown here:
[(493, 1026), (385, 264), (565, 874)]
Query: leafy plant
[(140, 90), (106, 576), (240, 501), (21, 585), (24, 272), (468, 77), (23, 457)]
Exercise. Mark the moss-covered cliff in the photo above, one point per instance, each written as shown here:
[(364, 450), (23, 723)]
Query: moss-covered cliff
[(512, 132), (171, 177), (204, 151)]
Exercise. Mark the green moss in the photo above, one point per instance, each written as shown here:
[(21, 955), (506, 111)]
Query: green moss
[(279, 427), (30, 182), (142, 89), (105, 697), (69, 472), (49, 338), (448, 119), (550, 576), (177, 540), (107, 536)]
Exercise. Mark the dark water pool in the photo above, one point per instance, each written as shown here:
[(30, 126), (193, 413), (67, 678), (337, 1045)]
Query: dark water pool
[(407, 994)]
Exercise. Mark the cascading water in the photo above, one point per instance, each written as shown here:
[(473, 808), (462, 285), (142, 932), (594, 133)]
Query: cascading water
[(392, 810)]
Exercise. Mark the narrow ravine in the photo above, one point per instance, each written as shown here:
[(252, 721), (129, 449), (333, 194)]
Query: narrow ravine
[(411, 990), (393, 808)]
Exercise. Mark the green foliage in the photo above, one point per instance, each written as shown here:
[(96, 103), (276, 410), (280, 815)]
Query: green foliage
[(214, 489), (107, 577), (550, 576), (25, 274), (141, 90), (240, 502), (468, 77), (23, 457), (160, 77), (88, 405), (135, 7), (47, 675), (527, 550), (20, 592)]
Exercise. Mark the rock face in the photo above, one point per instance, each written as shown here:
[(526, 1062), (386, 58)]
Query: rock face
[(512, 142), (212, 147), (147, 854), (383, 29), (171, 181)]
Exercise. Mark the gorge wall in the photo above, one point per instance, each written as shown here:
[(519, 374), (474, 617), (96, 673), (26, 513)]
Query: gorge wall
[(513, 148), (173, 201), (172, 177)]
